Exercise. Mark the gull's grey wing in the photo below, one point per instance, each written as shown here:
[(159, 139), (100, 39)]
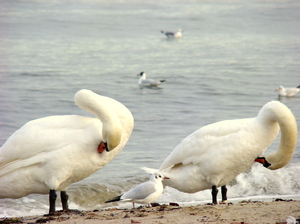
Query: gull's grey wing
[(170, 34), (150, 82), (141, 191)]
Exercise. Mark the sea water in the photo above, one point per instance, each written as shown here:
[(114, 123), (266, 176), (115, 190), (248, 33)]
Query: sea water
[(231, 58)]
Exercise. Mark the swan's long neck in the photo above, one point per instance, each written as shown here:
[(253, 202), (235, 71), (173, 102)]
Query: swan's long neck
[(100, 106), (278, 112)]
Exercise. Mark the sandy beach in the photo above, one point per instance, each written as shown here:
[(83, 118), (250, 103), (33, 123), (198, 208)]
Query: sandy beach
[(278, 211)]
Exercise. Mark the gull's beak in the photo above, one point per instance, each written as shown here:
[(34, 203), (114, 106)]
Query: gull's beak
[(166, 178)]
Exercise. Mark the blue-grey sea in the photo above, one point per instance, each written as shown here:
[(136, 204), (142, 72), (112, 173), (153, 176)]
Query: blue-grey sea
[(232, 56)]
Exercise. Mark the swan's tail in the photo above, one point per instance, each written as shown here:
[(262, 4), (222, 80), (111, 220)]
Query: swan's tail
[(149, 170)]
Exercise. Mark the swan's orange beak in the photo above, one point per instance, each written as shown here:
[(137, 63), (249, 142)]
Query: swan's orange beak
[(102, 147), (259, 160), (263, 161)]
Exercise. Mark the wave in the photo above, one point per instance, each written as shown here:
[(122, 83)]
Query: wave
[(257, 183)]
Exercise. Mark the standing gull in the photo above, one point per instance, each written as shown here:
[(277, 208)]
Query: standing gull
[(289, 92), (177, 34), (215, 154), (144, 193), (48, 154), (144, 82)]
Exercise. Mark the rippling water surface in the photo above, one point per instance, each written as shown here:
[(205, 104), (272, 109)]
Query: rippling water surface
[(231, 58)]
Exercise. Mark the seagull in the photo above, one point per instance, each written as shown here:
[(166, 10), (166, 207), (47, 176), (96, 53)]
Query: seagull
[(144, 193), (291, 220), (144, 82), (176, 34), (215, 154), (288, 91), (48, 154)]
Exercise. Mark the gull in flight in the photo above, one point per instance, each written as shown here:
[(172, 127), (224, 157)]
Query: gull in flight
[(144, 193), (289, 92), (144, 82), (176, 34)]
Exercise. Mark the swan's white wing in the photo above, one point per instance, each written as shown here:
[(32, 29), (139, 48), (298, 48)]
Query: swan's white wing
[(46, 134), (206, 143)]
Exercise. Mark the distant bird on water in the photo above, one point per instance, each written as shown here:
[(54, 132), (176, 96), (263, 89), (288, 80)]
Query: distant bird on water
[(289, 92), (48, 154), (144, 82), (144, 193), (215, 154), (176, 34)]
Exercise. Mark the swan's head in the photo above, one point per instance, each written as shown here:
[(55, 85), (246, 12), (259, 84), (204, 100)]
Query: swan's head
[(279, 113), (103, 108), (112, 135)]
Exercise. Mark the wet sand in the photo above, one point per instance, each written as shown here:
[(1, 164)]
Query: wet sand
[(277, 212)]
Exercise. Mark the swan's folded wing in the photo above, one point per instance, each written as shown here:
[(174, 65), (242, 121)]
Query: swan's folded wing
[(43, 135), (19, 163), (213, 136)]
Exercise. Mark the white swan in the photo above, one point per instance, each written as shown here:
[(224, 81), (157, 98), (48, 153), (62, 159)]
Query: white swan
[(215, 154), (143, 81), (48, 154), (177, 34), (289, 92), (144, 193)]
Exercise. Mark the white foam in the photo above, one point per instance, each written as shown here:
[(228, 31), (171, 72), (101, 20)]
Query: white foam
[(258, 183)]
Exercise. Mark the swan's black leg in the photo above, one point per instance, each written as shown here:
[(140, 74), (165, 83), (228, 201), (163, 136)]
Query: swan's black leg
[(214, 193), (52, 199), (224, 193), (64, 200)]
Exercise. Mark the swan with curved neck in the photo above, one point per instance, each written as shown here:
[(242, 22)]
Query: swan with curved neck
[(48, 154), (215, 154)]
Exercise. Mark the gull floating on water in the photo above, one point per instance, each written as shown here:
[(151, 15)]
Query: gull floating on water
[(143, 81), (289, 92), (144, 193), (48, 154), (215, 154), (176, 34)]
